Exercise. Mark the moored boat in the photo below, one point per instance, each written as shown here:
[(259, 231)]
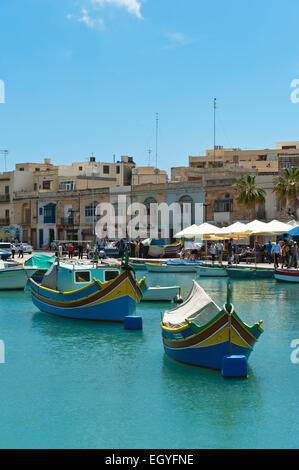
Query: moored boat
[(199, 333), (250, 273), (211, 271), (162, 294), (75, 291), (42, 262), (287, 275), (174, 267), (14, 277), (138, 266)]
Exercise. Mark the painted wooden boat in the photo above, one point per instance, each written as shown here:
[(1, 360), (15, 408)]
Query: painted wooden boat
[(110, 300), (199, 333), (249, 273), (211, 271), (5, 255), (287, 275), (15, 277), (138, 266), (171, 251), (162, 294), (173, 267)]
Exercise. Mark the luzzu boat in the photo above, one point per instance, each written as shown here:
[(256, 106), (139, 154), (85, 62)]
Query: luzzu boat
[(287, 275), (179, 266), (75, 291), (199, 333)]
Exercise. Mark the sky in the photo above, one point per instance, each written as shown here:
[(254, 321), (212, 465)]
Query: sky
[(89, 76)]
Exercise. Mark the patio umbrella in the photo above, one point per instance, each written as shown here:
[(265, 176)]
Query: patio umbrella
[(198, 231), (258, 228), (294, 232), (278, 228)]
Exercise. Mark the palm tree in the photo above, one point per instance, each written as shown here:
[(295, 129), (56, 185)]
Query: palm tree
[(286, 188), (248, 194)]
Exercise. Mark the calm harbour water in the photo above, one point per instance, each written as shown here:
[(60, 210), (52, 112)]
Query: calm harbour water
[(74, 384)]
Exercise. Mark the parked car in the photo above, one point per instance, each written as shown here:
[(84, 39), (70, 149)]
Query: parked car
[(26, 248), (5, 246)]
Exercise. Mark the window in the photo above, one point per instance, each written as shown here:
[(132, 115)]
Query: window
[(82, 276), (37, 169), (109, 275), (47, 184), (224, 204), (21, 169), (80, 168), (286, 165), (67, 185), (106, 169), (6, 189), (35, 187), (50, 214), (40, 211), (90, 210), (117, 169)]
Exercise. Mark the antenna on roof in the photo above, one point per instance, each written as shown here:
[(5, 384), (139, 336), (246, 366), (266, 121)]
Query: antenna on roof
[(4, 153), (149, 156)]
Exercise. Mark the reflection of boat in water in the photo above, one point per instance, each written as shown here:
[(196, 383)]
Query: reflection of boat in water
[(198, 332), (178, 266), (87, 293), (211, 271), (14, 277), (287, 275), (249, 273)]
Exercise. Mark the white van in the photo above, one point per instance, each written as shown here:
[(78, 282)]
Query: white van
[(5, 246)]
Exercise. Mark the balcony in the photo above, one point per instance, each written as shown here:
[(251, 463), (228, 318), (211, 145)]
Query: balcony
[(5, 221), (67, 221), (4, 198)]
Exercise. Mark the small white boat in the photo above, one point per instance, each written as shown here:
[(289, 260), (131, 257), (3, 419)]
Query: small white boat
[(15, 277), (287, 275), (163, 294), (211, 271), (172, 267)]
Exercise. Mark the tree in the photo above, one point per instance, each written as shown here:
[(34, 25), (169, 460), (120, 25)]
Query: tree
[(248, 194), (286, 189)]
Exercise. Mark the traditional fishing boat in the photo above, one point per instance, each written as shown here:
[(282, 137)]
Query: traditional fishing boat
[(199, 333), (211, 271), (249, 273), (138, 266), (14, 277), (76, 291), (179, 266), (157, 248), (287, 275)]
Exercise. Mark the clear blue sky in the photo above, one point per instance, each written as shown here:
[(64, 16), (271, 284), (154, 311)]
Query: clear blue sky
[(86, 76)]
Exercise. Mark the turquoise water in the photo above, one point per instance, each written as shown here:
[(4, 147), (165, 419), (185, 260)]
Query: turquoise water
[(73, 384)]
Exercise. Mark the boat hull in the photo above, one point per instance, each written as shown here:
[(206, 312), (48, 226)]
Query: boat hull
[(250, 273), (15, 278), (287, 276), (168, 268), (211, 272), (110, 301), (162, 294), (205, 346)]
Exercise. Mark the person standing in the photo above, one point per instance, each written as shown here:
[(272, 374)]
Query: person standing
[(13, 250), (71, 250), (137, 248), (21, 250), (87, 250), (80, 251), (219, 247), (277, 251), (213, 252), (269, 251), (230, 250)]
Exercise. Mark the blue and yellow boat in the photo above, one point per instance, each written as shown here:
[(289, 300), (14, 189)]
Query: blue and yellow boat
[(87, 292), (199, 333)]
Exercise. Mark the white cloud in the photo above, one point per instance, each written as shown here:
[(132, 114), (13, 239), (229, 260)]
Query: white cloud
[(132, 6), (176, 39), (89, 21)]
